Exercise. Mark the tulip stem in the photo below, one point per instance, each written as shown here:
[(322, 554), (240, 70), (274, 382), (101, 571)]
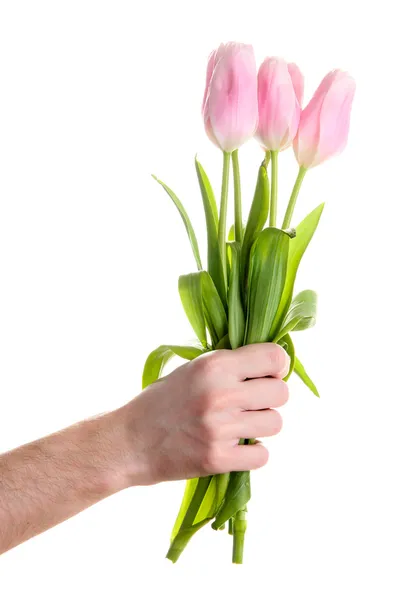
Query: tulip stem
[(237, 199), (238, 529), (293, 198), (274, 187), (223, 214)]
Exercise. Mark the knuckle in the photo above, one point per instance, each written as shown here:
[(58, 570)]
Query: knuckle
[(208, 428), (208, 399), (211, 461), (210, 364)]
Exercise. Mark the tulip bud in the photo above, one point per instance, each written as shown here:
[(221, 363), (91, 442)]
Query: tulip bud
[(280, 91), (230, 99), (324, 123)]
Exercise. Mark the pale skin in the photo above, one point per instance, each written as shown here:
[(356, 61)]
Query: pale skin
[(185, 425)]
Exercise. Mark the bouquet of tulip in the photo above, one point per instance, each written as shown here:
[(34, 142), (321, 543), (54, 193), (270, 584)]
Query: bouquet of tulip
[(245, 295)]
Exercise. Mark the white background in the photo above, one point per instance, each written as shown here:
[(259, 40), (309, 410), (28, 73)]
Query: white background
[(95, 96)]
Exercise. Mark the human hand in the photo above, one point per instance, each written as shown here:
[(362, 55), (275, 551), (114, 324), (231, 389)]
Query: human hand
[(188, 423)]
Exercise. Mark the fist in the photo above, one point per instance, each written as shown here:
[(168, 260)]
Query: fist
[(189, 423)]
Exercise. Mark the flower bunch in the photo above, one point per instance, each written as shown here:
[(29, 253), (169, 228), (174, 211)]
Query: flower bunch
[(246, 294)]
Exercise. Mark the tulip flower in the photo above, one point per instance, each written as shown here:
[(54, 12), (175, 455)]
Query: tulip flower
[(280, 91), (230, 99), (323, 128), (324, 123), (230, 114)]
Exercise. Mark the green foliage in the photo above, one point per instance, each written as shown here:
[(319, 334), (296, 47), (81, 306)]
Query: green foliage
[(267, 278), (303, 375), (257, 217), (236, 316), (159, 357), (237, 496), (213, 309), (190, 292), (211, 218), (297, 247), (201, 501), (186, 221), (301, 315), (257, 306), (288, 345)]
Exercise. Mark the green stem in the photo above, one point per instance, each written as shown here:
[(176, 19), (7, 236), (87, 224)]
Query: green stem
[(293, 198), (237, 199), (239, 528), (223, 214), (274, 187)]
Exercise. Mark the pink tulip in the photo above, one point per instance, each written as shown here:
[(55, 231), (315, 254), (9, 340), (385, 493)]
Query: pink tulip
[(324, 124), (280, 91), (230, 99)]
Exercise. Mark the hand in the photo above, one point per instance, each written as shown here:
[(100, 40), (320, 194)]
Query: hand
[(188, 424)]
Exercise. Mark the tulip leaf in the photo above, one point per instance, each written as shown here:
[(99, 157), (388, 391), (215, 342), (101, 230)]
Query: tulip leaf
[(301, 315), (237, 496), (190, 488), (303, 375), (287, 343), (298, 245), (201, 501), (257, 217), (159, 357), (236, 316), (224, 343), (190, 291), (267, 277), (213, 309), (186, 221), (215, 268), (181, 540), (231, 234)]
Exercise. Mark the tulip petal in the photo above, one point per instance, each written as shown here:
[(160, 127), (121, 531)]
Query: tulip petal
[(298, 81), (230, 111), (324, 123), (279, 109)]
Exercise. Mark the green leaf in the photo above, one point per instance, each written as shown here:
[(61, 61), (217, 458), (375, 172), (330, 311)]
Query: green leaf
[(303, 375), (159, 357), (201, 501), (298, 245), (237, 496), (181, 540), (190, 488), (231, 234), (190, 291), (224, 343), (287, 343), (301, 315), (214, 313), (186, 221), (257, 217), (267, 277), (236, 316), (211, 217)]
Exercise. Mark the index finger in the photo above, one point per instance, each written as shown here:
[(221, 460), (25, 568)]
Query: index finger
[(260, 360)]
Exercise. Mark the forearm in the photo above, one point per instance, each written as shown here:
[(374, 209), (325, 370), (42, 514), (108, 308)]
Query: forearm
[(47, 481)]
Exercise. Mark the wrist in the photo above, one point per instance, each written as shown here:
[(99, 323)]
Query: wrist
[(125, 466)]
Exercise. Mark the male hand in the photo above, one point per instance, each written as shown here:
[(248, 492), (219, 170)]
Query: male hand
[(189, 423)]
